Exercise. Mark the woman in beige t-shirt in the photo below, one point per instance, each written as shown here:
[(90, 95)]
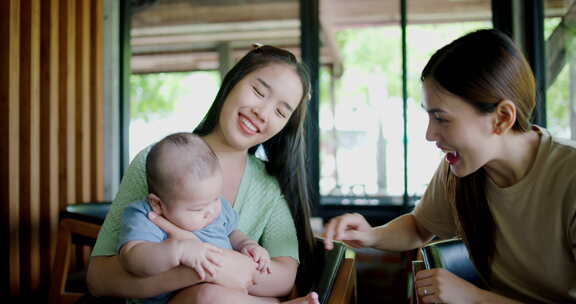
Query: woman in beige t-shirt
[(506, 187)]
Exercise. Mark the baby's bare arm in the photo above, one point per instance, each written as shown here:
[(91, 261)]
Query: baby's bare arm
[(149, 258), (279, 282), (239, 239), (144, 259)]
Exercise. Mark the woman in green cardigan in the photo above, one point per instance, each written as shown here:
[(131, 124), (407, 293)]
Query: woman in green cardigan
[(262, 103)]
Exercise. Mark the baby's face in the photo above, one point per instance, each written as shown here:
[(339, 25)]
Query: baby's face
[(196, 205)]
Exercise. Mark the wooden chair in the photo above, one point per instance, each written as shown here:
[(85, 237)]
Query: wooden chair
[(79, 225)]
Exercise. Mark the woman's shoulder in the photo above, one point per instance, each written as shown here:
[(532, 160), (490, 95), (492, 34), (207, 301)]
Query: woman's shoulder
[(140, 158), (565, 145), (559, 163), (136, 170), (555, 143), (258, 168), (562, 153), (134, 185), (259, 177)]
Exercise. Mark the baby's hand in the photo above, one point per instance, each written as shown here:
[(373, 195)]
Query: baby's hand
[(258, 255), (202, 257)]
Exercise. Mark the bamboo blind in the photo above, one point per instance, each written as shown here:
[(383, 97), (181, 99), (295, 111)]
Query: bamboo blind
[(51, 129)]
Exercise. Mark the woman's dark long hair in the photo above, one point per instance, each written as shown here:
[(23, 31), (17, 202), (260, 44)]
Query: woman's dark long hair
[(483, 68), (285, 151)]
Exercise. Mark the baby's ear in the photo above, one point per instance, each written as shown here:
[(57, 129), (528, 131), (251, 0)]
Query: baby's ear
[(155, 203)]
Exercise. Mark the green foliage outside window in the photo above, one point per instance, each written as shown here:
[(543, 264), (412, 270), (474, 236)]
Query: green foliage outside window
[(155, 94), (558, 93)]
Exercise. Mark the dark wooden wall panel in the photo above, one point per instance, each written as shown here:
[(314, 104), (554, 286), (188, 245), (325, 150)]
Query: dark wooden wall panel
[(67, 104), (51, 125), (29, 140), (97, 95), (49, 161), (9, 132), (83, 101)]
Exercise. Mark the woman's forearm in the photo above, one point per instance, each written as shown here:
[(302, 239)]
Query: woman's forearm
[(487, 297), (106, 277), (279, 282), (401, 234)]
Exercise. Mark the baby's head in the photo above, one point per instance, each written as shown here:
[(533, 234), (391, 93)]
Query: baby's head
[(184, 181)]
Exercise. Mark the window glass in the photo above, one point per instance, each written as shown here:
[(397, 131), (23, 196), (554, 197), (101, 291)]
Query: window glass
[(164, 103), (362, 150), (181, 49), (561, 68), (423, 40)]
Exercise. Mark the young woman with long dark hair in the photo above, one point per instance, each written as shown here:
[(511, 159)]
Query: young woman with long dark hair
[(262, 102), (506, 187)]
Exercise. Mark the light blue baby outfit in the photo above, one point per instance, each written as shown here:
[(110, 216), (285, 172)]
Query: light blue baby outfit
[(137, 227)]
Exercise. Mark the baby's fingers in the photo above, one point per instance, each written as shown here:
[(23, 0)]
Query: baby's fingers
[(209, 268), (200, 271), (261, 265), (246, 251), (266, 268), (214, 258), (212, 248)]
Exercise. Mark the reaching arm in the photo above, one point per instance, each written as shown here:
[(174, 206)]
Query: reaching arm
[(401, 234)]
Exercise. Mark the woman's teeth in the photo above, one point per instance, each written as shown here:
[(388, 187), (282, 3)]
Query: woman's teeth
[(248, 124)]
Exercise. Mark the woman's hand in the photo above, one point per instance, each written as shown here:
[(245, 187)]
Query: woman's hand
[(352, 228), (439, 285), (174, 232)]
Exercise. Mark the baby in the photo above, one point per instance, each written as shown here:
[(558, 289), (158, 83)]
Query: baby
[(185, 185)]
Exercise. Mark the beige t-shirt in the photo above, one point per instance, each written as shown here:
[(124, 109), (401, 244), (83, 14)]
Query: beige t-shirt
[(535, 259)]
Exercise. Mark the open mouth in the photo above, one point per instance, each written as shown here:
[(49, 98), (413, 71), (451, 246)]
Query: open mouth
[(248, 125), (452, 157)]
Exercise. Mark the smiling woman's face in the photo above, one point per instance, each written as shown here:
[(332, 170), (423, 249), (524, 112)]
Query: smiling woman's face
[(260, 105), (458, 129)]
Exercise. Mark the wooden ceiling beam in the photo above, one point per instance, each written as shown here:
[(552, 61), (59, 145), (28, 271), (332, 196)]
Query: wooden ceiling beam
[(210, 46), (208, 28), (194, 61), (187, 13), (178, 28), (252, 36)]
